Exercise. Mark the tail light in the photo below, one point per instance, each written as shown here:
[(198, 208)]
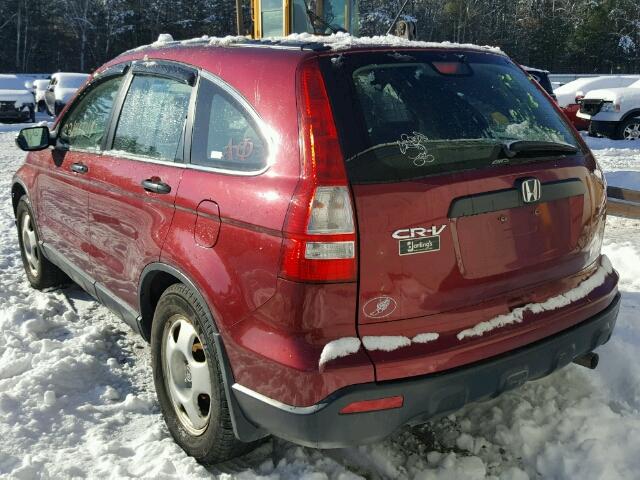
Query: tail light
[(319, 233)]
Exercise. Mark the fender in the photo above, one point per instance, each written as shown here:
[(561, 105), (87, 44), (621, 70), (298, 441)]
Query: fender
[(633, 113), (243, 429), (16, 180)]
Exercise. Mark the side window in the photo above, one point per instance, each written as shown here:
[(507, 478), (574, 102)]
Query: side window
[(224, 134), (153, 117), (85, 126)]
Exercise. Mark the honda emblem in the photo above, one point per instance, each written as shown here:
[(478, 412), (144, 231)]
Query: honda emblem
[(531, 190)]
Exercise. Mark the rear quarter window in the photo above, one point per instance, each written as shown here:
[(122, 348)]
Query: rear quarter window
[(225, 136)]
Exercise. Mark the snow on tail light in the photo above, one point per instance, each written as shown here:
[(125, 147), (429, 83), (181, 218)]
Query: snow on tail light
[(387, 403), (319, 233)]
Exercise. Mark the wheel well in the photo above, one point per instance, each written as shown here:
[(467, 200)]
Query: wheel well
[(632, 113), (17, 191), (153, 286)]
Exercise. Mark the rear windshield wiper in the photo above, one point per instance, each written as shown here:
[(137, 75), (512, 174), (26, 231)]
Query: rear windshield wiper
[(514, 147)]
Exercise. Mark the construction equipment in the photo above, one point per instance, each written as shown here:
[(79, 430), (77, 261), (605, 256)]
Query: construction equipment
[(276, 18)]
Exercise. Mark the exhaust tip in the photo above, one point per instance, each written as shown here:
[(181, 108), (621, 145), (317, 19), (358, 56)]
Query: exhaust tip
[(589, 360)]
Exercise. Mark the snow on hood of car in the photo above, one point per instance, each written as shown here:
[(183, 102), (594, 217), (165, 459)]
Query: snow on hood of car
[(20, 97), (336, 41), (614, 94)]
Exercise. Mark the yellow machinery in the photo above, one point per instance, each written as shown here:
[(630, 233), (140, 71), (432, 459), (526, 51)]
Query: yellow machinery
[(276, 18)]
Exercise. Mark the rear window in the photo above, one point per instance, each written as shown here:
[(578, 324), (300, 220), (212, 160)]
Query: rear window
[(407, 115)]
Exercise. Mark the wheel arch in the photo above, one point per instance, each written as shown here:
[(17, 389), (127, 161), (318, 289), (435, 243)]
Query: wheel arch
[(633, 113), (154, 280), (18, 190)]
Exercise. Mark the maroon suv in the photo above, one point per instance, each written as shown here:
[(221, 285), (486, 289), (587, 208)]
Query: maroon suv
[(322, 244)]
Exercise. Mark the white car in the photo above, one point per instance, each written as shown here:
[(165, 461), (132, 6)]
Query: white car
[(613, 112), (16, 100), (62, 88), (570, 92), (39, 88)]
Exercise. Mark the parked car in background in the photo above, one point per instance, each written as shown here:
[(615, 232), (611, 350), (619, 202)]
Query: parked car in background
[(39, 89), (542, 77), (570, 93), (62, 88), (322, 245), (613, 112), (16, 100)]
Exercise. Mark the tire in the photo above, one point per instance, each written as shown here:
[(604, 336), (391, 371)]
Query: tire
[(40, 272), (183, 356), (32, 116), (629, 129)]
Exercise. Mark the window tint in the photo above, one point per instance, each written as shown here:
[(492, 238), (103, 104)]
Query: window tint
[(406, 115), (84, 127), (153, 116), (224, 134)]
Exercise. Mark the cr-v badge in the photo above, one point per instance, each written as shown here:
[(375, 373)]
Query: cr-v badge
[(418, 239)]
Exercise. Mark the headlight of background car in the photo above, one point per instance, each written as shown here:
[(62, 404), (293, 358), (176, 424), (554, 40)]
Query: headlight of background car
[(610, 107)]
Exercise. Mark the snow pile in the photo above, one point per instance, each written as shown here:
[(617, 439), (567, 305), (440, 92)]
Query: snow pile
[(516, 316), (349, 345), (339, 348), (385, 343), (425, 337)]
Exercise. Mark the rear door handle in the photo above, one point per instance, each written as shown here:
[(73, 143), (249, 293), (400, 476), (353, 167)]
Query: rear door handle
[(155, 186), (79, 168)]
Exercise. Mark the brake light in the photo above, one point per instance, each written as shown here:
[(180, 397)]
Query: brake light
[(319, 233), (373, 405)]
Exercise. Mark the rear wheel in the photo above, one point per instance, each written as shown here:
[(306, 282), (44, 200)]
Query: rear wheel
[(41, 273), (630, 129), (188, 381)]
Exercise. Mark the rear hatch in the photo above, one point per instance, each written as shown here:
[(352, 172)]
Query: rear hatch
[(467, 183)]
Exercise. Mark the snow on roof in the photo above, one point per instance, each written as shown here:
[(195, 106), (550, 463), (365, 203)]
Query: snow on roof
[(342, 41), (336, 41)]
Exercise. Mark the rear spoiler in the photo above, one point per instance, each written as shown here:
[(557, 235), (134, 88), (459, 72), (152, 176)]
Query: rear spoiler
[(623, 202)]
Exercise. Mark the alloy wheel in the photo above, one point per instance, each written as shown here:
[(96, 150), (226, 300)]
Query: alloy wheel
[(631, 131)]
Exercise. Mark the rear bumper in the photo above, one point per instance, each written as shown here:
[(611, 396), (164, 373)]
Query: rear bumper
[(425, 397)]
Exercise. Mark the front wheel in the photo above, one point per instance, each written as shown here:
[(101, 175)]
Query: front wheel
[(41, 273), (188, 380), (630, 129)]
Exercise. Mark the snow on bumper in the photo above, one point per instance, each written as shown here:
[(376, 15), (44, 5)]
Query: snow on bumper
[(553, 303), (424, 397)]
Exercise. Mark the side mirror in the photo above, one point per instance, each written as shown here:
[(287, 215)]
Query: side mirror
[(33, 138)]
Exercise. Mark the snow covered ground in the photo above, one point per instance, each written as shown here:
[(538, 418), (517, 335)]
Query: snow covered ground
[(77, 399)]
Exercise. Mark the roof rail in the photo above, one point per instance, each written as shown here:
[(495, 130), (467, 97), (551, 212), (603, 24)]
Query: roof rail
[(284, 44)]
